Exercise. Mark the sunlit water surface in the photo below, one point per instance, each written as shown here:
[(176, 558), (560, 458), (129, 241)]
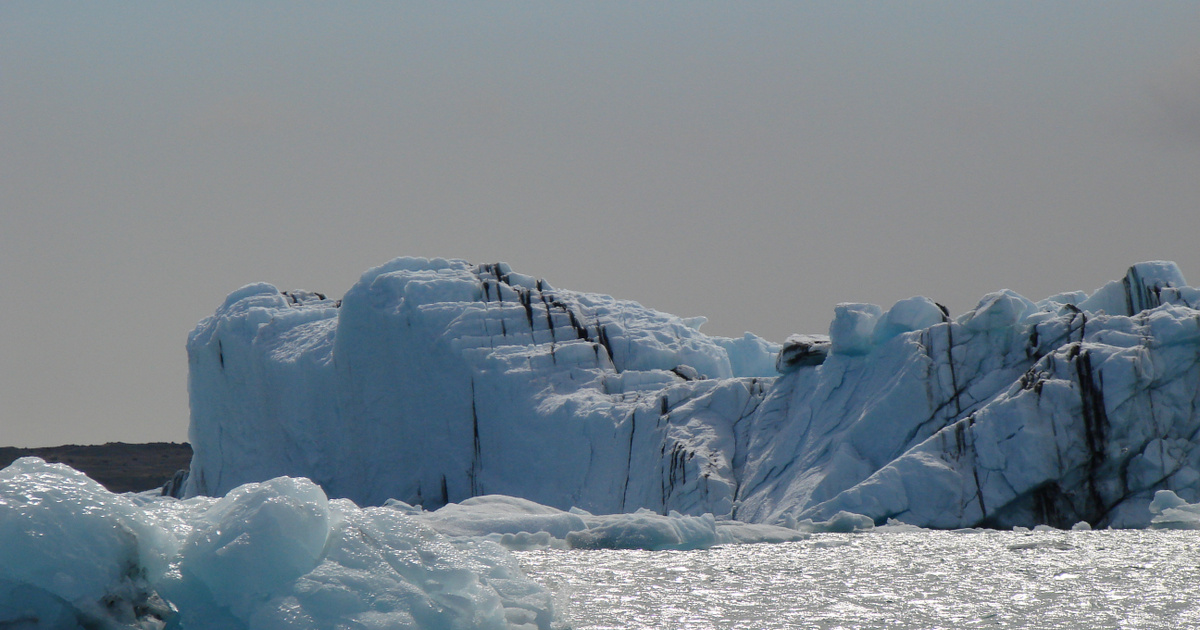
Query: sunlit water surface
[(987, 579)]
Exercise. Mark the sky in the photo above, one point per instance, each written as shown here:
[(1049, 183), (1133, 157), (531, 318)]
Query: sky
[(755, 163)]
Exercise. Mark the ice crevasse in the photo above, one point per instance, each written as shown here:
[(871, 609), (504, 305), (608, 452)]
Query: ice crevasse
[(433, 381)]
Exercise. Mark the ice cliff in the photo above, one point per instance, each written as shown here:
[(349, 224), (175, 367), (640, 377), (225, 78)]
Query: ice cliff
[(433, 381)]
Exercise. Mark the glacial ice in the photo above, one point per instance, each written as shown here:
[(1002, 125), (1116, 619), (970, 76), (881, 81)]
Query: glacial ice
[(474, 411), (276, 554), (520, 524), (1172, 512), (280, 554), (434, 381)]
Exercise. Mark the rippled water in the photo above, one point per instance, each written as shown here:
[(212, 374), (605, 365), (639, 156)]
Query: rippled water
[(987, 579)]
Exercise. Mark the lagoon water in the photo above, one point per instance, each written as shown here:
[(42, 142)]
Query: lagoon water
[(888, 579)]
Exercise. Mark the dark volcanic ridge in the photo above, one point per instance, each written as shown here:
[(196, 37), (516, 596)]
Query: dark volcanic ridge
[(117, 466)]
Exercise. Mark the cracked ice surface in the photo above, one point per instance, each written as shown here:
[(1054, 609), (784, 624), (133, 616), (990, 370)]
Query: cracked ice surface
[(1014, 414), (433, 381)]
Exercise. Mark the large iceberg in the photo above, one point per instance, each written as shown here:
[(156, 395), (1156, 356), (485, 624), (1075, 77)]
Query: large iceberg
[(1075, 408), (433, 381)]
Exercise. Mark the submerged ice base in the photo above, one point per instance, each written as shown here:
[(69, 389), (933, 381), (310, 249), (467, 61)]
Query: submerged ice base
[(433, 381)]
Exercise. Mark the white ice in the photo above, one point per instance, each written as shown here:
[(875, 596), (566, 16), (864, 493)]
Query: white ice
[(269, 555), (279, 554), (433, 381), (522, 524)]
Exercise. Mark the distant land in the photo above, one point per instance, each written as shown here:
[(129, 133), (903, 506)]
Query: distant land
[(117, 466)]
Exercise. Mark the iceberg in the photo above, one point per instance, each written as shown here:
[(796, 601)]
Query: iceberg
[(281, 554), (520, 524), (276, 554), (1015, 413), (433, 381), (1172, 512)]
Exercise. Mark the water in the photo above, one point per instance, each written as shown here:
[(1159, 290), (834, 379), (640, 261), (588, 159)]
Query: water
[(1052, 579)]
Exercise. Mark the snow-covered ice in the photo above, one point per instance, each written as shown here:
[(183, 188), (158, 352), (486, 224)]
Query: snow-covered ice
[(433, 381)]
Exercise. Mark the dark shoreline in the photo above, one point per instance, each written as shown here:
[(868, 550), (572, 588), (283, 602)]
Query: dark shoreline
[(118, 466)]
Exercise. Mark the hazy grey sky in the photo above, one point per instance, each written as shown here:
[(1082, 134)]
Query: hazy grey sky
[(755, 163)]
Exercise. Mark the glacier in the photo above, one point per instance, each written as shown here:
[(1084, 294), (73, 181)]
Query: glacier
[(433, 381)]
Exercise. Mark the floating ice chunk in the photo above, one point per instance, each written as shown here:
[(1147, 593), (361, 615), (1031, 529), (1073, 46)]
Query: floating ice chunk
[(745, 533), (1167, 500), (276, 554), (438, 380), (498, 514), (647, 530), (841, 523), (893, 526), (73, 554), (255, 540), (853, 326), (1172, 512), (521, 524), (383, 569)]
